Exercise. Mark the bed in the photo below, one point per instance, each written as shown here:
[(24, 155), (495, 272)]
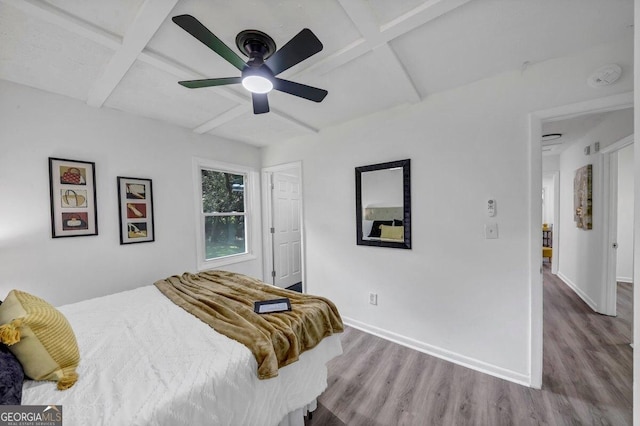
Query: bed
[(147, 361)]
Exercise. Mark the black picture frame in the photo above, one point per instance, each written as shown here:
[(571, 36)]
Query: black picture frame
[(361, 239), (72, 186), (135, 210)]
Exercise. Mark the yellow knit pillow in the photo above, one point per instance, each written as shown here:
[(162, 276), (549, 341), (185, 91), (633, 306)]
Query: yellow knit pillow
[(392, 232), (40, 337)]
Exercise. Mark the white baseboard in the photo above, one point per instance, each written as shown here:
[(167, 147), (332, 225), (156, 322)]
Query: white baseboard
[(624, 280), (474, 364), (593, 305)]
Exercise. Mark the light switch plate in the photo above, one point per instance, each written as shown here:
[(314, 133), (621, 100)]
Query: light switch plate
[(491, 231)]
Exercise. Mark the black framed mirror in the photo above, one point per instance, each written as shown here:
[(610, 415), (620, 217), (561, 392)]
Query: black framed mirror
[(383, 204)]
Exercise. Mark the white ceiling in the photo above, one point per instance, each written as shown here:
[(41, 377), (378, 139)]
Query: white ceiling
[(128, 54), (574, 129)]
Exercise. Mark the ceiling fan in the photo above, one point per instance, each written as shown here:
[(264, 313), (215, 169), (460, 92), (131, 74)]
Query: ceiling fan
[(265, 62)]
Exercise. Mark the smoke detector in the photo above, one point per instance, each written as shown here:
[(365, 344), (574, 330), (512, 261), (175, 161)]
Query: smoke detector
[(605, 76)]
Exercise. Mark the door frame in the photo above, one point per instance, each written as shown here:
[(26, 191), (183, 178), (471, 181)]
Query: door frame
[(267, 220), (555, 235), (609, 103), (609, 163)]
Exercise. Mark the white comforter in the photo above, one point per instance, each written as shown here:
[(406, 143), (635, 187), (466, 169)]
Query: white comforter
[(145, 361)]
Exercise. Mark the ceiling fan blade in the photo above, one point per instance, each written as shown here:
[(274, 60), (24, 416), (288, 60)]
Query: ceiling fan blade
[(209, 82), (302, 46), (199, 31), (301, 90), (260, 103)]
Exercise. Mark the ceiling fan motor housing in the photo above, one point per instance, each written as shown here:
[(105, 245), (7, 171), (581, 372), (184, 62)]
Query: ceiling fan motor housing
[(258, 46), (255, 44)]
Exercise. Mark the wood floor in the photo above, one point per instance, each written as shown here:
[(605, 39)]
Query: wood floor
[(587, 376)]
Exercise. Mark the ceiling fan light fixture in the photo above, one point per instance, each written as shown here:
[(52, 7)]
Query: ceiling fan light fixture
[(257, 84)]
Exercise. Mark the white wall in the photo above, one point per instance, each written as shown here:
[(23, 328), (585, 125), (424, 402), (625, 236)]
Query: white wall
[(636, 223), (36, 125), (550, 164), (549, 196), (624, 267), (550, 167), (455, 294), (581, 251)]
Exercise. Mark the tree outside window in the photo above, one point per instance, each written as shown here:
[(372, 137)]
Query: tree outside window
[(224, 211)]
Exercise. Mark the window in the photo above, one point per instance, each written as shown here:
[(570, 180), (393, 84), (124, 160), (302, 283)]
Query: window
[(224, 213)]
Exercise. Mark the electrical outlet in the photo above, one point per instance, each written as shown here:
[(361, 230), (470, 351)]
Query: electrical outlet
[(373, 298)]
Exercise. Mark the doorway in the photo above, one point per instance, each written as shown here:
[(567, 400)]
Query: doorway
[(283, 226), (617, 161), (588, 261), (551, 218), (536, 119)]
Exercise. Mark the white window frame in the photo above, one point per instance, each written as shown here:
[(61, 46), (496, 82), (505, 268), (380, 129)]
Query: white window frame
[(252, 216)]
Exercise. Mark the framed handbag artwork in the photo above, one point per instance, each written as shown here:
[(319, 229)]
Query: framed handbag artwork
[(583, 197), (73, 198), (135, 206)]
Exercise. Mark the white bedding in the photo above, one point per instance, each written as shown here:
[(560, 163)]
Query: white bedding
[(145, 361)]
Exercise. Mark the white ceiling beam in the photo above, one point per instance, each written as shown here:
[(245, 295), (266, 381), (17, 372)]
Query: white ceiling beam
[(419, 16), (225, 117), (386, 32), (397, 73), (185, 73), (53, 15), (239, 110), (300, 124), (150, 16), (335, 60), (366, 22), (180, 71)]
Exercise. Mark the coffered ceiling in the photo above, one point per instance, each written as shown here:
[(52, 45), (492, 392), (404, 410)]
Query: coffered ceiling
[(128, 54)]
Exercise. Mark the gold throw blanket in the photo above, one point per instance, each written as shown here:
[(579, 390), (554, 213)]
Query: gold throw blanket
[(224, 301)]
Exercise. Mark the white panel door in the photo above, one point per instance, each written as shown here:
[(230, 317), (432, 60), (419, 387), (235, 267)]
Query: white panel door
[(287, 251)]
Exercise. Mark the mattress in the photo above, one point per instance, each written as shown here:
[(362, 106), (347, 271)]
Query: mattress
[(146, 361)]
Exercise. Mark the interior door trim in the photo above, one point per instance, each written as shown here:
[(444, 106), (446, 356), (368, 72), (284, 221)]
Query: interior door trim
[(267, 216)]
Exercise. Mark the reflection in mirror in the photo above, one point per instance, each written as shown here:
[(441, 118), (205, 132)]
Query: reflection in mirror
[(383, 204)]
